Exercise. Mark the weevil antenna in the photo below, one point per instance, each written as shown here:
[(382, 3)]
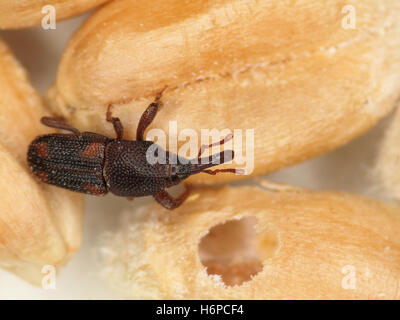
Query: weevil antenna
[(203, 164), (219, 143), (231, 170)]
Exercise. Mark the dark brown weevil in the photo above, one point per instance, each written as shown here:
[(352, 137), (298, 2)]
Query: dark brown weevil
[(95, 164)]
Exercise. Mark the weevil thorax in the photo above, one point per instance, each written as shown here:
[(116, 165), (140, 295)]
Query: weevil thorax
[(129, 172)]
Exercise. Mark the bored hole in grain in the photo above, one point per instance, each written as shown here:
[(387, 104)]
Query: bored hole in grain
[(234, 251)]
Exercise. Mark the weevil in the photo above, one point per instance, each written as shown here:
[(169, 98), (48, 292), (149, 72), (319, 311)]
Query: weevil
[(94, 164)]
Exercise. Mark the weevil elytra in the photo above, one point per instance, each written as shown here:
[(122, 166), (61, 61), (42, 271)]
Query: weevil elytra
[(95, 164)]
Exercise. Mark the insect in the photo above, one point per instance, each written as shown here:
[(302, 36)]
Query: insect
[(94, 164)]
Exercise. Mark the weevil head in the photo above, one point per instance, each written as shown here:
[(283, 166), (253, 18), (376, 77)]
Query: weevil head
[(201, 164), (185, 168), (179, 172)]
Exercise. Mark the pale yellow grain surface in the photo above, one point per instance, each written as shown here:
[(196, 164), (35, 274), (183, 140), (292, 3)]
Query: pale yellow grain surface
[(305, 84), (38, 224), (306, 242), (16, 14)]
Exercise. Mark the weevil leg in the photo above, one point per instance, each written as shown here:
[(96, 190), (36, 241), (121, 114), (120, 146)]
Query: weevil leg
[(119, 129), (148, 116), (219, 143), (168, 201), (145, 120), (58, 123)]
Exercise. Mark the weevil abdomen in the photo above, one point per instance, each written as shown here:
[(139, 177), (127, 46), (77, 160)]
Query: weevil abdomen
[(71, 161)]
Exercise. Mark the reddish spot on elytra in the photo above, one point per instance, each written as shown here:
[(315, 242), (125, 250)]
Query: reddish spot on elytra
[(43, 176), (93, 150), (42, 150), (94, 190)]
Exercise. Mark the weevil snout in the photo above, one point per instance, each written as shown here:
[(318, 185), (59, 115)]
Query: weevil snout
[(198, 165), (201, 164)]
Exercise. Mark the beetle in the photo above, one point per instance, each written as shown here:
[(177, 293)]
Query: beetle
[(94, 164)]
